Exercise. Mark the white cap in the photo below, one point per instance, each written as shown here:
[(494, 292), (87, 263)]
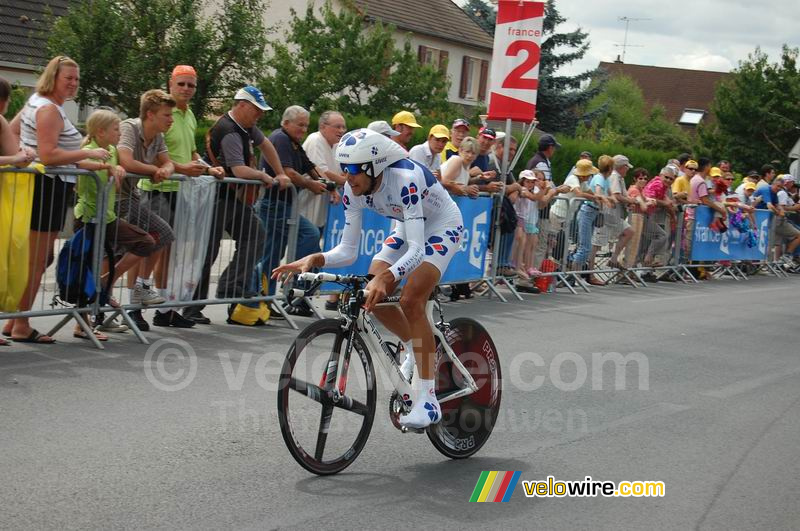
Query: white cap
[(254, 96), (382, 127)]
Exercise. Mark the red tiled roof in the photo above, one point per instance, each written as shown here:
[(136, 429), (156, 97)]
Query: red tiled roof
[(436, 18), (674, 88)]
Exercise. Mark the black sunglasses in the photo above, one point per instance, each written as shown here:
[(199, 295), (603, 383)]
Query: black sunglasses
[(186, 84)]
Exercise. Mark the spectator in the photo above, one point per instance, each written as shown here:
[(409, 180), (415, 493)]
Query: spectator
[(724, 166), (683, 158), (511, 186), (404, 123), (782, 229), (541, 160), (143, 151), (574, 184), (103, 131), (636, 215), (599, 186), (10, 153), (455, 170), (615, 227), (230, 144), (527, 209), (585, 155), (486, 139), (655, 193), (43, 127), (587, 213), (161, 198), (275, 207), (680, 187), (746, 196), (455, 179), (429, 152), (767, 175), (320, 148), (751, 177), (458, 132), (383, 127)]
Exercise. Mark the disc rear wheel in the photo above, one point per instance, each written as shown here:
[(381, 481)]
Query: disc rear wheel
[(467, 422)]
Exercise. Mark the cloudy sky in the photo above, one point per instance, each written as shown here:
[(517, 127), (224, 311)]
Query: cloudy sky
[(703, 34)]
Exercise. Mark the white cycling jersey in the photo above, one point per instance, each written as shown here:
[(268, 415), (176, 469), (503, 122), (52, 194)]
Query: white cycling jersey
[(429, 225)]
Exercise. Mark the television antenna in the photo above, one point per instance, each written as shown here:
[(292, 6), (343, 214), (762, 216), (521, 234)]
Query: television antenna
[(625, 44)]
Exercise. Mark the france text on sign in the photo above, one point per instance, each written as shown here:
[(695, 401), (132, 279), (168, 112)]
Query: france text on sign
[(515, 60)]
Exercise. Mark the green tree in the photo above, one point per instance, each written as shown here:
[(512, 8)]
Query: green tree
[(482, 13), (757, 111), (340, 61), (621, 116), (125, 47)]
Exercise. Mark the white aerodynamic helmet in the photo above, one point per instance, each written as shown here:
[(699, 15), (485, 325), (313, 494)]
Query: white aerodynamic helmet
[(363, 150)]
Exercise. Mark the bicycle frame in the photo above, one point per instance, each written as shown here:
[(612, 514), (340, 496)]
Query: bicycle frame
[(375, 344)]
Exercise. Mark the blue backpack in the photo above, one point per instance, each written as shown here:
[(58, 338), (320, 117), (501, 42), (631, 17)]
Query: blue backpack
[(74, 274)]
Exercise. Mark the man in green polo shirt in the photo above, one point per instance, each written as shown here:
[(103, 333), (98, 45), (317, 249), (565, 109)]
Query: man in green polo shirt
[(162, 197)]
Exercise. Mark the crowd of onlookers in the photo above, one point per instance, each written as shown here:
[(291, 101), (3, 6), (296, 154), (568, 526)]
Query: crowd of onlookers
[(606, 206)]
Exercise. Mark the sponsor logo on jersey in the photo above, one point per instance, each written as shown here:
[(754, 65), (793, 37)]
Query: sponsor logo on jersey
[(409, 195), (435, 245)]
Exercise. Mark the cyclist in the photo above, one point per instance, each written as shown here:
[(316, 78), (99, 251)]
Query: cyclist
[(427, 234)]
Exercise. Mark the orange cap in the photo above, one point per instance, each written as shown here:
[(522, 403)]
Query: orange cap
[(183, 70)]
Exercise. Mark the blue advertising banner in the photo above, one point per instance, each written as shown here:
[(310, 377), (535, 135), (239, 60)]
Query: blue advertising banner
[(467, 265), (733, 244)]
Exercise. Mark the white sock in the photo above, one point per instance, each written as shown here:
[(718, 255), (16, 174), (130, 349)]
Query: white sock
[(409, 347), (425, 391), (141, 281)]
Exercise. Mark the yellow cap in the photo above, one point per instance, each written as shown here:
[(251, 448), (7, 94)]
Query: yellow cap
[(440, 131), (691, 165), (715, 172), (405, 118)]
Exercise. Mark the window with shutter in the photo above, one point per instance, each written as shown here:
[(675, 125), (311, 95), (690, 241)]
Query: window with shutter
[(465, 77), (422, 53), (483, 79), (443, 58)]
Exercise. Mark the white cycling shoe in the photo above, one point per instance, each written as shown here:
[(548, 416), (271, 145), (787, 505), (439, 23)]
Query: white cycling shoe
[(424, 412)]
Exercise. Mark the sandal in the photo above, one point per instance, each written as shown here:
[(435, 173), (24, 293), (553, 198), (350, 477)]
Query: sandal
[(4, 343), (100, 336), (35, 337)]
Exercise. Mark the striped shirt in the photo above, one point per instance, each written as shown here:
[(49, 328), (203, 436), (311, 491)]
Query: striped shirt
[(69, 139)]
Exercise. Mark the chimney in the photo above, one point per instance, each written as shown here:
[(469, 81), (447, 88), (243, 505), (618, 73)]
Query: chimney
[(618, 60)]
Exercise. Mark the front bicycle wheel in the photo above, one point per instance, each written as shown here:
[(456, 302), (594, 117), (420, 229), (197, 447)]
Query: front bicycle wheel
[(467, 422), (318, 377)]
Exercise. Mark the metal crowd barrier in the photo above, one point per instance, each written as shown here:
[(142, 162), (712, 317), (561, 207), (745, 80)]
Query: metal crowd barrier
[(227, 213)]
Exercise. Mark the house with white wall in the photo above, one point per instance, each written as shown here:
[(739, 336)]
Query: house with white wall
[(441, 32)]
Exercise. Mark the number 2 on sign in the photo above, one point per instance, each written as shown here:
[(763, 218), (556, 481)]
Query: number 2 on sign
[(514, 80)]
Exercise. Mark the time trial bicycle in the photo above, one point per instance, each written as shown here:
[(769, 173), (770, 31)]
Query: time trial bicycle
[(329, 367)]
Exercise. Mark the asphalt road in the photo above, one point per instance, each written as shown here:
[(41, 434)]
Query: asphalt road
[(711, 407)]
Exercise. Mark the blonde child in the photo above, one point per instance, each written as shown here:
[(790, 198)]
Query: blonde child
[(102, 131), (527, 235)]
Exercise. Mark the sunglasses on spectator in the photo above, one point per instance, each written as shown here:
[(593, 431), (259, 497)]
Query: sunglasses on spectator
[(642, 178), (186, 84)]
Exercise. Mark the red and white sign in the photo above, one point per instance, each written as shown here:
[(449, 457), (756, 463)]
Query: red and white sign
[(515, 60)]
